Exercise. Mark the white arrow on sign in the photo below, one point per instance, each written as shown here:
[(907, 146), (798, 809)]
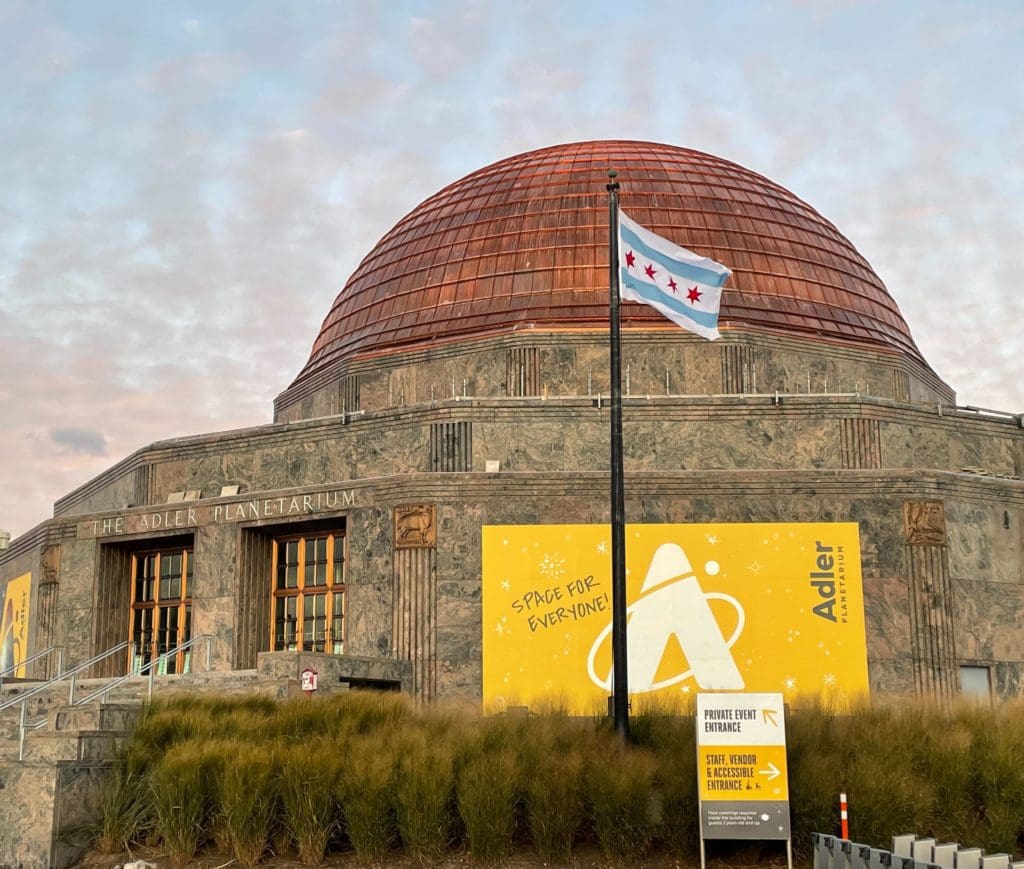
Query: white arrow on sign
[(772, 772)]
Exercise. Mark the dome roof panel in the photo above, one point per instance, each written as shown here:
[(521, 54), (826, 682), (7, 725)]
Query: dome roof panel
[(525, 240)]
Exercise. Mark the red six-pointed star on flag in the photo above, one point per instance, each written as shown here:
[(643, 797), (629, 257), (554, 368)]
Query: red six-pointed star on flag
[(650, 271), (672, 285), (694, 294), (630, 259)]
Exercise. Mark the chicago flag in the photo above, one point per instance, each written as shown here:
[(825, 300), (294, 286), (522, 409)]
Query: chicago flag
[(682, 285)]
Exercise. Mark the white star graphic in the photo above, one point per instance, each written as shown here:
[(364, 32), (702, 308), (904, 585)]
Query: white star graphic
[(754, 568), (602, 548), (505, 585)]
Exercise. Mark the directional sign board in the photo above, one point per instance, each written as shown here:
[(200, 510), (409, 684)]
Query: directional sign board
[(741, 766)]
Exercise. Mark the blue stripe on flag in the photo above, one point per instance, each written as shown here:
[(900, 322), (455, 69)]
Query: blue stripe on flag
[(683, 269), (652, 293)]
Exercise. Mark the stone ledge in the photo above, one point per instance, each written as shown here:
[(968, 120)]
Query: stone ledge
[(335, 672)]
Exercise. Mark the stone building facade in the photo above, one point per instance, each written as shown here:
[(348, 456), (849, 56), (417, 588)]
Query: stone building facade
[(478, 396)]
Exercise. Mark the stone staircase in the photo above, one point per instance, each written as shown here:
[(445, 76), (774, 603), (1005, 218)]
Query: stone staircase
[(53, 791)]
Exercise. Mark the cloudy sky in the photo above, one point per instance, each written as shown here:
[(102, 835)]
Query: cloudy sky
[(186, 186)]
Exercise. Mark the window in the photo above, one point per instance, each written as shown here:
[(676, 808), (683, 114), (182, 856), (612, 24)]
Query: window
[(309, 593), (975, 682), (161, 608)]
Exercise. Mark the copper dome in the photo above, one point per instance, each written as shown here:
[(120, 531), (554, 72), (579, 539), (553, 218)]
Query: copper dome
[(524, 241)]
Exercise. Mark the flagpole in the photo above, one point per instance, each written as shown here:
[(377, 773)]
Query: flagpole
[(620, 683)]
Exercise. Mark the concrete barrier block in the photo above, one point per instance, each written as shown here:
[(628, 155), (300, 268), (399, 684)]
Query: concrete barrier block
[(968, 858), (901, 845)]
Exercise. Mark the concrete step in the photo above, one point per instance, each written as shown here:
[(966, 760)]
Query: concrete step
[(136, 688), (44, 746), (38, 709), (56, 788), (118, 717)]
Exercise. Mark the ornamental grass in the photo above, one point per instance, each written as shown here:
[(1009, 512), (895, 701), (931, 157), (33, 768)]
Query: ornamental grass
[(421, 792), (619, 793), (487, 792), (248, 799), (308, 797), (375, 774), (179, 787), (364, 795)]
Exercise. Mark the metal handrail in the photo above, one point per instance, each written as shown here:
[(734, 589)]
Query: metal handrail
[(68, 674), (47, 651), (120, 647), (25, 727), (152, 665)]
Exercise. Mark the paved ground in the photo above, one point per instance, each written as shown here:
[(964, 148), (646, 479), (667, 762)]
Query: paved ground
[(749, 857)]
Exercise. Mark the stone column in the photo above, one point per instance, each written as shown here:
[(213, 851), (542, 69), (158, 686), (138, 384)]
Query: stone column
[(215, 596), (933, 641), (414, 615), (46, 601)]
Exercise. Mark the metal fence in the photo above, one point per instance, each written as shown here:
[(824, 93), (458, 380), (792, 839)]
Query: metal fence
[(908, 852)]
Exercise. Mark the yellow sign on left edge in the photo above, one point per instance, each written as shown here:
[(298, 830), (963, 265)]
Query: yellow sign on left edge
[(14, 626)]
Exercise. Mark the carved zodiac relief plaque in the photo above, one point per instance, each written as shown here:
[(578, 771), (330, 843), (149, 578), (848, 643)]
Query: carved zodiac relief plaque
[(924, 522), (415, 526)]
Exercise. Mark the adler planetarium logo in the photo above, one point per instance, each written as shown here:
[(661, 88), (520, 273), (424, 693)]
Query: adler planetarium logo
[(673, 606)]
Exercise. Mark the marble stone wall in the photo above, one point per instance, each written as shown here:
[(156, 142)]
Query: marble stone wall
[(537, 434), (932, 601), (656, 362), (707, 439), (916, 613), (46, 810), (217, 603), (370, 578), (986, 566), (82, 603)]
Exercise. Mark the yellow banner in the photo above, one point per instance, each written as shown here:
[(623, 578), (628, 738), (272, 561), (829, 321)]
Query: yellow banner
[(737, 607), (14, 626)]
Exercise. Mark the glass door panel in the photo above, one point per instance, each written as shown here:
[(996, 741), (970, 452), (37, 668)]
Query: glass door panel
[(161, 618)]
